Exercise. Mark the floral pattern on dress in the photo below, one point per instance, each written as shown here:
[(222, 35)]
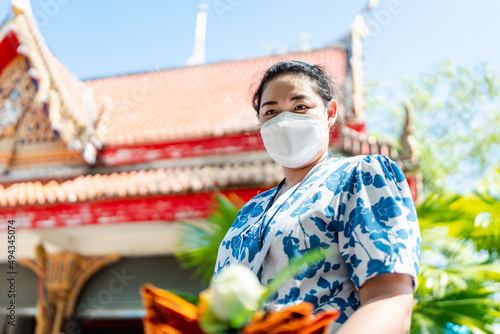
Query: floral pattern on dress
[(363, 210)]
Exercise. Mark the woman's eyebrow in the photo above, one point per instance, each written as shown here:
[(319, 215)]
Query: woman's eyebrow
[(296, 97), (268, 103), (300, 97)]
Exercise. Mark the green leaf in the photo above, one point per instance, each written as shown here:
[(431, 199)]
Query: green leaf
[(295, 267), (459, 273), (198, 244), (472, 307)]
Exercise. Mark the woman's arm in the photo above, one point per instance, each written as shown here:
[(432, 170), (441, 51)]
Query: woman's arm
[(386, 306)]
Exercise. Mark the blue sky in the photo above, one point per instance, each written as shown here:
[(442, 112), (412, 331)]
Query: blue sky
[(101, 38)]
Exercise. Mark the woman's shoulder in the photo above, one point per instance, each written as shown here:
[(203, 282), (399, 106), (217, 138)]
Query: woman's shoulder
[(370, 164), (364, 160), (370, 172), (257, 200), (252, 208), (263, 195)]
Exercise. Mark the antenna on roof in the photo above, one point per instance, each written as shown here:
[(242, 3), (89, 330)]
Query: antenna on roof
[(372, 4), (359, 30), (21, 7), (199, 37)]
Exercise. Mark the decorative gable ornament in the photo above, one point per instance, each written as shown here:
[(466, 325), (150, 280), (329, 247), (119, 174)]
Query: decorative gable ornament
[(46, 111)]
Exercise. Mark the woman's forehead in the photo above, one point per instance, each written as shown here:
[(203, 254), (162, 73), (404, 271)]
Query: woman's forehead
[(288, 85)]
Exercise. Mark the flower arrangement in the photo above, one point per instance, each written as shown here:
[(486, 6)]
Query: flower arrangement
[(236, 302)]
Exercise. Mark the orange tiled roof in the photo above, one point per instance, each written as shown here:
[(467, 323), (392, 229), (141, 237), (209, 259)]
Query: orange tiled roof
[(161, 181), (191, 102)]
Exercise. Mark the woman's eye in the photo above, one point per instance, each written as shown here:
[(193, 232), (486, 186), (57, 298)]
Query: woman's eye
[(300, 107), (270, 112)]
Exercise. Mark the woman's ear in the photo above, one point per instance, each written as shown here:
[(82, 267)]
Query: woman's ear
[(332, 112)]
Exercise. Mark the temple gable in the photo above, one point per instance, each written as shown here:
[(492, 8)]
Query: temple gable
[(27, 140)]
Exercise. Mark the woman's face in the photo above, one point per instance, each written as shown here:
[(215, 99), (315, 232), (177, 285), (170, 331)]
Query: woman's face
[(295, 93)]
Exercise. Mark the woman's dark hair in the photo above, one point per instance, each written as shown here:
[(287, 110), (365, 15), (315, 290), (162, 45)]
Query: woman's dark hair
[(324, 85)]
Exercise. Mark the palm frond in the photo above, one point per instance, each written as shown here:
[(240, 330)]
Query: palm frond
[(475, 217), (198, 244), (472, 307), (459, 271)]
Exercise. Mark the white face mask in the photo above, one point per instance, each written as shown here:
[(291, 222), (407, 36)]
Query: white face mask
[(293, 139)]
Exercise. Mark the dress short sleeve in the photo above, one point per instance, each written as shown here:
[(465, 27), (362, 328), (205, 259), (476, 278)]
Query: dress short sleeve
[(379, 232)]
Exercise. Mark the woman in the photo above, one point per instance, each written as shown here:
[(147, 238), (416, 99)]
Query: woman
[(360, 206)]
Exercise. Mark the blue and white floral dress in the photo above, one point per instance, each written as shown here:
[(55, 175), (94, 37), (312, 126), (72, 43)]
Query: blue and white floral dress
[(362, 207)]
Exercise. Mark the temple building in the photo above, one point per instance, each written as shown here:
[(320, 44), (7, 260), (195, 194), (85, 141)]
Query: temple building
[(96, 175)]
